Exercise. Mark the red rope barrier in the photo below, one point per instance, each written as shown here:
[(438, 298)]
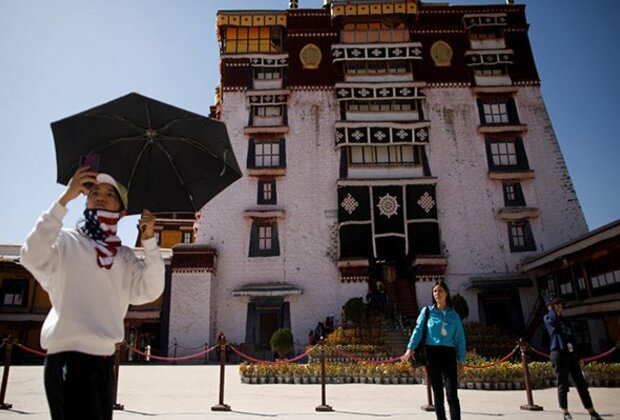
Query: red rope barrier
[(488, 365), (268, 362), (172, 359), (540, 353), (359, 359), (598, 356), (584, 359), (33, 351)]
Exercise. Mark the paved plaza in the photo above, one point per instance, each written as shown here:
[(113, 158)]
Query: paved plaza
[(170, 392)]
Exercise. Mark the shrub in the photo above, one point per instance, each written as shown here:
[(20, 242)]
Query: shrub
[(281, 341)]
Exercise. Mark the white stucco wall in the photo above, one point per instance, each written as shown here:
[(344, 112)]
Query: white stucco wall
[(190, 312), (474, 241), (307, 195)]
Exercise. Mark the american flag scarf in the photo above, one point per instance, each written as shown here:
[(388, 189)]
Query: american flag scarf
[(100, 227)]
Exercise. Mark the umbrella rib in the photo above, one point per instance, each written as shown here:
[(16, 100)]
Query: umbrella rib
[(135, 165), (176, 120), (193, 142), (201, 147), (176, 172), (115, 117)]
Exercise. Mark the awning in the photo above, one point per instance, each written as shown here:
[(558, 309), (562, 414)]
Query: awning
[(267, 289), (498, 281), (608, 304)]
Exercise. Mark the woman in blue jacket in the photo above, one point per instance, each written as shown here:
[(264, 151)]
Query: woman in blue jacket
[(445, 345), (564, 360)]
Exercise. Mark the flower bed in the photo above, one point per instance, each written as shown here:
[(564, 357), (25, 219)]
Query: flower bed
[(505, 375)]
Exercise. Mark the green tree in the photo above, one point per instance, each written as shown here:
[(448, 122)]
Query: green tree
[(281, 342), (460, 306), (355, 310)]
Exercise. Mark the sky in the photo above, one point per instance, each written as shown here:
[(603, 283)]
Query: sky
[(60, 57)]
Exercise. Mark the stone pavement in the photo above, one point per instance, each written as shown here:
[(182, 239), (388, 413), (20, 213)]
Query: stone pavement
[(183, 392)]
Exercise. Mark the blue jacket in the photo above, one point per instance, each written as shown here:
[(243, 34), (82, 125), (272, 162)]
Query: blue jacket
[(436, 319), (560, 331)]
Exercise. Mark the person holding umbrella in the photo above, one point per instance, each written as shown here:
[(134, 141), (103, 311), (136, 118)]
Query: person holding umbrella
[(91, 280), (564, 359)]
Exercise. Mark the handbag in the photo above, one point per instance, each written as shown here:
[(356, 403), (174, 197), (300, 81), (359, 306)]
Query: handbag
[(419, 353)]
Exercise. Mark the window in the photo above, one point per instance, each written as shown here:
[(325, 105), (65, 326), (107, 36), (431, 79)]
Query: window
[(267, 111), (187, 237), (520, 236), (513, 195), (497, 111), (383, 31), (158, 237), (268, 73), (506, 155), (490, 71), (377, 67), (14, 292), (246, 39), (385, 155), (381, 106), (271, 115), (264, 239), (267, 191), (266, 154)]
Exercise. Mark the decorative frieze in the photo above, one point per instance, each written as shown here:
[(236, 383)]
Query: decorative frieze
[(253, 18), (379, 91), (269, 60), (377, 7), (487, 19), (405, 51), (489, 57), (263, 98), (360, 133)]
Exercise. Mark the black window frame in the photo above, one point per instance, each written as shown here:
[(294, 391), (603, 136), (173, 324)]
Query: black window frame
[(251, 158), (511, 111), (526, 234), (261, 196), (521, 157), (514, 198), (15, 287), (255, 250)]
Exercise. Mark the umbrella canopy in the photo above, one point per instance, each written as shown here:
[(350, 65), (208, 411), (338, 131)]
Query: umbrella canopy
[(170, 159)]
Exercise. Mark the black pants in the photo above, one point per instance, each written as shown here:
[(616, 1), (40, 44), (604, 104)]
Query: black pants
[(79, 386), (441, 365), (565, 363)]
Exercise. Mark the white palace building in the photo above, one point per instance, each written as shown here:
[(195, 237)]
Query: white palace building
[(382, 142)]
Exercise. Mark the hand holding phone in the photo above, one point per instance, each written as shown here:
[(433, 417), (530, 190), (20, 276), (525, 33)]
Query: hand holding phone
[(91, 160)]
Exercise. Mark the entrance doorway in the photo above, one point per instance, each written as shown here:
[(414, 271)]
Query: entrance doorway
[(503, 309)]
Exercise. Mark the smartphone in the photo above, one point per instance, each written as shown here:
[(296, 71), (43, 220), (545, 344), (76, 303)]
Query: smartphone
[(91, 160)]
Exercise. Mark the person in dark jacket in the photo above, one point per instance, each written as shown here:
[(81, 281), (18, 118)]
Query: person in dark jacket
[(565, 360)]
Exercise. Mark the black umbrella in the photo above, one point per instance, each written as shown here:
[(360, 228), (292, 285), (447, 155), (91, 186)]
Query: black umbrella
[(170, 160)]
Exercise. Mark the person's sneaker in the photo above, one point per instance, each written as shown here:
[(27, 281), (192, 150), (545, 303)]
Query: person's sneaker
[(594, 416), (567, 416)]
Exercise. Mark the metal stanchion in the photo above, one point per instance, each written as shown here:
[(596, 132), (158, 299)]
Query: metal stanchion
[(530, 406), (323, 406), (429, 394), (117, 364), (221, 406), (9, 342)]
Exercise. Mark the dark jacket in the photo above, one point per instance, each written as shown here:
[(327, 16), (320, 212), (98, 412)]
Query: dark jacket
[(560, 332)]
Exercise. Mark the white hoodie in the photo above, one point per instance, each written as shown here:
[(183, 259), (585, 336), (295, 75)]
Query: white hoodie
[(89, 302)]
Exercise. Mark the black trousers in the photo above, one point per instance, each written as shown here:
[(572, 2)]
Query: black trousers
[(441, 365), (79, 386), (565, 363)]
